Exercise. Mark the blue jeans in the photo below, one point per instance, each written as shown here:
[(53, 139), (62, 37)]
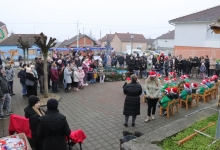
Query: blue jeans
[(136, 72), (24, 89), (144, 73), (10, 87), (6, 102)]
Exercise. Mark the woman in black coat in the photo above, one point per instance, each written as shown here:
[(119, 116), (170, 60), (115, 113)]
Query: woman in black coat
[(31, 90), (131, 64), (53, 128), (33, 113), (132, 100)]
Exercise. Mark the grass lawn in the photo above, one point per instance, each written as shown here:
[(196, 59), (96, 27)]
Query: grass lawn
[(199, 142)]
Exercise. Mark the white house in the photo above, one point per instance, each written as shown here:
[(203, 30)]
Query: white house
[(165, 41), (192, 34)]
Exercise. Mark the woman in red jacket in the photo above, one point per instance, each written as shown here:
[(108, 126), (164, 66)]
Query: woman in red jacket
[(54, 78)]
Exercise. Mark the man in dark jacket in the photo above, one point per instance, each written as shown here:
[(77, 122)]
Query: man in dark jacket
[(53, 128), (77, 62), (48, 71), (121, 61), (131, 64), (22, 76), (195, 66), (40, 71), (5, 98)]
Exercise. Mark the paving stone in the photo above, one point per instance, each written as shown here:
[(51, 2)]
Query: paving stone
[(98, 110)]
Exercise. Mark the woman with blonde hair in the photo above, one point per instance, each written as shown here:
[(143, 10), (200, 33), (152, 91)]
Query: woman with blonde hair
[(152, 94)]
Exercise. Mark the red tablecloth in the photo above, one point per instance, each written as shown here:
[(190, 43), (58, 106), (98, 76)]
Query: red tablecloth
[(19, 124)]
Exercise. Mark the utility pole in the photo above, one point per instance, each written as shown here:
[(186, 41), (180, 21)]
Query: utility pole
[(83, 30), (90, 33), (100, 34), (77, 33)]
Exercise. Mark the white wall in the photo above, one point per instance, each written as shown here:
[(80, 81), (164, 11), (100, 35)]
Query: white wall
[(169, 43), (193, 34)]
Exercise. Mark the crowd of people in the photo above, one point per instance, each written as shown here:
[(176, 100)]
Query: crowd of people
[(156, 94)]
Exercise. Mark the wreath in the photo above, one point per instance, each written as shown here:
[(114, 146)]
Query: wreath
[(2, 33)]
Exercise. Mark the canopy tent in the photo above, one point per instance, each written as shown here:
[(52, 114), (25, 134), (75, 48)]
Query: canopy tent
[(77, 49)]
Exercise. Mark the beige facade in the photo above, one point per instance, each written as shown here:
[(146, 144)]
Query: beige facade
[(5, 31), (127, 46), (120, 46)]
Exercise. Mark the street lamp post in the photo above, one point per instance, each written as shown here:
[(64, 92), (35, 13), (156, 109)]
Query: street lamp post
[(132, 37), (107, 45)]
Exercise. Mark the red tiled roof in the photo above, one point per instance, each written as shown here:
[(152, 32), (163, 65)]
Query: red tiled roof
[(169, 35), (107, 36), (211, 14)]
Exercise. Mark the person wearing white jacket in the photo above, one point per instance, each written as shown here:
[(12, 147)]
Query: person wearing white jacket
[(76, 79), (67, 77)]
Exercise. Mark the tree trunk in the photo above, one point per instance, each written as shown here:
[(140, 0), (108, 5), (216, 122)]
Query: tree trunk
[(24, 57), (27, 57), (45, 77)]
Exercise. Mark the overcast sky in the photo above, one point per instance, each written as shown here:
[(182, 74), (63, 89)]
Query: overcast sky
[(56, 18)]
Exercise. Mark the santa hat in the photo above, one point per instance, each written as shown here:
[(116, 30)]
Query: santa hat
[(207, 80), (174, 79), (203, 82), (128, 78), (211, 79), (167, 90), (152, 74), (166, 79), (159, 75), (174, 90), (194, 85), (171, 73), (215, 76), (182, 77), (186, 86), (186, 76)]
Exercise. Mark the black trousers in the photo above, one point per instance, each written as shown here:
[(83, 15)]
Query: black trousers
[(151, 106), (55, 86)]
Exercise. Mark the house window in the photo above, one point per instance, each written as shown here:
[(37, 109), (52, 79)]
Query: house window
[(210, 35), (139, 46), (31, 52)]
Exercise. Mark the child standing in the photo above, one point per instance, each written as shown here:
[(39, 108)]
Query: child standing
[(101, 73), (75, 79), (95, 75), (202, 70), (81, 77)]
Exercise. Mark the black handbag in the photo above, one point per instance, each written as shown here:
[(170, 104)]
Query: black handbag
[(29, 82)]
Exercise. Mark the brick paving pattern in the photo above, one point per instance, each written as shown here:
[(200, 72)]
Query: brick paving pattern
[(98, 111)]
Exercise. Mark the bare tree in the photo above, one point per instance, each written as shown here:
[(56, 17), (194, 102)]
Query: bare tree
[(24, 45), (41, 42)]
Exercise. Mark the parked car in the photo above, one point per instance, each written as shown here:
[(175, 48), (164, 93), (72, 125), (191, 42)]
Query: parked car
[(149, 52), (137, 51), (119, 53)]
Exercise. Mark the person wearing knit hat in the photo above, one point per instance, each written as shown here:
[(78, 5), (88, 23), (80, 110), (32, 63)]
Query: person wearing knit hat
[(194, 87), (182, 82), (186, 78), (212, 82), (166, 84), (215, 77), (30, 77), (187, 91), (152, 94), (53, 128), (173, 83), (174, 92), (171, 75), (202, 88), (166, 99), (33, 112)]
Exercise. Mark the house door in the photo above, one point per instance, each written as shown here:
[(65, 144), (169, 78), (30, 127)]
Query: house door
[(128, 47)]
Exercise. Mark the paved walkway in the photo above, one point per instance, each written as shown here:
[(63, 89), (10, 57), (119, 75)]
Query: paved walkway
[(98, 110)]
